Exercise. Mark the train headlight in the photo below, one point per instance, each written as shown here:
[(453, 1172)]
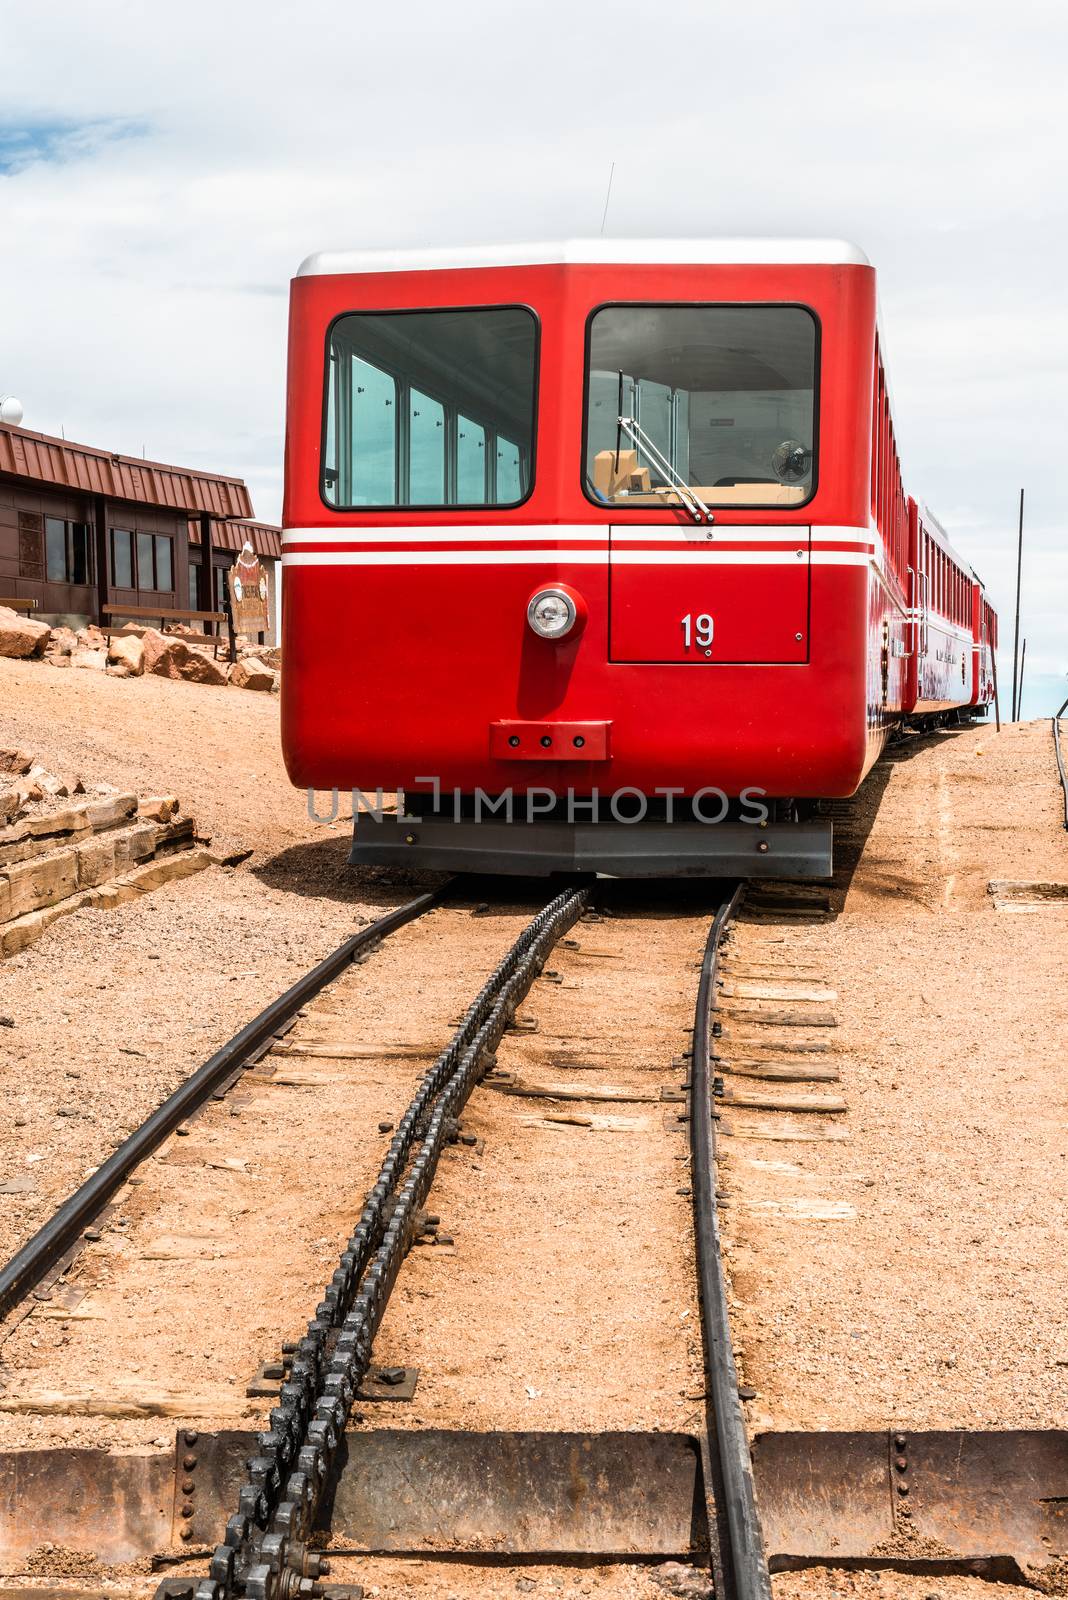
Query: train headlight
[(552, 613)]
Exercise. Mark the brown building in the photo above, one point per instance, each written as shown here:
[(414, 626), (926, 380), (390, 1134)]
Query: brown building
[(81, 529)]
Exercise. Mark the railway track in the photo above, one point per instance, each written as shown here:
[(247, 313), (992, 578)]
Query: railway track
[(282, 1483)]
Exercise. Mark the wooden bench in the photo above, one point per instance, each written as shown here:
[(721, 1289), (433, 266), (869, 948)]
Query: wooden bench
[(168, 614), (18, 605)]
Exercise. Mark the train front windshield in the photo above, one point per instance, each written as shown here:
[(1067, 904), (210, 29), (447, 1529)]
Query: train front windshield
[(430, 408), (717, 398)]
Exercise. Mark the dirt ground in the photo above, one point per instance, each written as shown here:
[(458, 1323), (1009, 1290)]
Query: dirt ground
[(909, 1273), (931, 1293), (110, 1010)]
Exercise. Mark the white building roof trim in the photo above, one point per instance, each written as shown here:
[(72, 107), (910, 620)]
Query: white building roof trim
[(592, 252)]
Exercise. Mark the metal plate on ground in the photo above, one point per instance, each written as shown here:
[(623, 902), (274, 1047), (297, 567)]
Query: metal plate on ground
[(521, 1493), (119, 1507), (969, 1496)]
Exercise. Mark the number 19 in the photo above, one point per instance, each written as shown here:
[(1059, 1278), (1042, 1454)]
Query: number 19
[(697, 630)]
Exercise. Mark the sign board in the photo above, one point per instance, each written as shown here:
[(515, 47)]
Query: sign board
[(248, 594)]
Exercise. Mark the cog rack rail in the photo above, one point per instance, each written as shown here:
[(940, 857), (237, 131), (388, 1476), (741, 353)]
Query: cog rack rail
[(265, 1554)]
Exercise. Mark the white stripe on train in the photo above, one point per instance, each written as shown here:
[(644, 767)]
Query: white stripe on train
[(563, 556)]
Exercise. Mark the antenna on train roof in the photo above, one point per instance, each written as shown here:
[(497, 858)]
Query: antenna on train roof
[(608, 195)]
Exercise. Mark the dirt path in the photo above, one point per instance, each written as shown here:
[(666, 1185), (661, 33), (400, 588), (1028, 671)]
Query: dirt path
[(218, 1249), (110, 1010), (928, 1288)]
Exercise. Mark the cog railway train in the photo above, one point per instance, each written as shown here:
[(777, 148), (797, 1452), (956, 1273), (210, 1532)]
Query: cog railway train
[(600, 553)]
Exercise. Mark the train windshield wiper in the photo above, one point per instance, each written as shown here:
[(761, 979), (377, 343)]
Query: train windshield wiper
[(637, 435)]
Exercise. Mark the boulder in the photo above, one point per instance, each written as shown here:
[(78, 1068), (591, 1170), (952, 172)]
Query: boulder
[(197, 668), (92, 660), (129, 652), (165, 659), (10, 805), (153, 644), (21, 636), (250, 673), (92, 638), (17, 761)]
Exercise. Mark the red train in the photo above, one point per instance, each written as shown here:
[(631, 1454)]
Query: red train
[(600, 553)]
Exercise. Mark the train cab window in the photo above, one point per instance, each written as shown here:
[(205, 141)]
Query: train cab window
[(720, 399), (430, 408)]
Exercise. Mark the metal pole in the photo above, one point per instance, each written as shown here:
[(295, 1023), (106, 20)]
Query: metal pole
[(1016, 633), (1023, 663), (997, 702)]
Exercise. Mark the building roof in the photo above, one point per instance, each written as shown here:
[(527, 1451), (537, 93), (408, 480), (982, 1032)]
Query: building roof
[(61, 463), (264, 539), (574, 252)]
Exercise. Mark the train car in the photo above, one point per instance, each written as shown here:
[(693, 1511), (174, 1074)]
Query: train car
[(984, 646), (942, 657), (599, 552)]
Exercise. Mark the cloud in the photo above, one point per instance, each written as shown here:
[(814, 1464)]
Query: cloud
[(178, 163)]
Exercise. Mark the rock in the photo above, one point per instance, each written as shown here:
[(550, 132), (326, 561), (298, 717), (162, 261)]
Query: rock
[(676, 1578), (112, 812), (94, 660), (54, 786), (92, 638), (15, 761), (202, 669), (10, 805), (251, 673), (159, 808), (62, 642), (29, 790), (21, 636), (153, 644), (128, 651)]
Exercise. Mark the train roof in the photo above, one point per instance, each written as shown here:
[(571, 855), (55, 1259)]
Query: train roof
[(590, 252)]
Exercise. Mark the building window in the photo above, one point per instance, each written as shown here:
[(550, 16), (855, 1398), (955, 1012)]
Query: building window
[(122, 573), (56, 550), (164, 564), (145, 565), (430, 408), (194, 587), (68, 552)]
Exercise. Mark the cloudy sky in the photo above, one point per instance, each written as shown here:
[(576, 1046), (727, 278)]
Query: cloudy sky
[(163, 170)]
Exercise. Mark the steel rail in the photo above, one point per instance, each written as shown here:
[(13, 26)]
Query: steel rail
[(1059, 753), (734, 1522), (30, 1264), (265, 1554)]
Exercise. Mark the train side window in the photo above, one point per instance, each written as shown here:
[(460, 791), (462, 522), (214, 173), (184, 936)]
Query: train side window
[(426, 450), (470, 462), (430, 408), (509, 469), (373, 453)]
